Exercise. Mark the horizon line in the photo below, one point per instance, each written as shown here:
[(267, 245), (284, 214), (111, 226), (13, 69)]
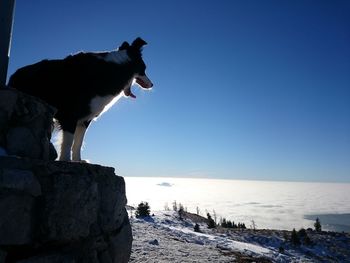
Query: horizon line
[(240, 179)]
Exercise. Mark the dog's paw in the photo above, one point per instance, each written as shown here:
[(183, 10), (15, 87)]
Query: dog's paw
[(81, 161)]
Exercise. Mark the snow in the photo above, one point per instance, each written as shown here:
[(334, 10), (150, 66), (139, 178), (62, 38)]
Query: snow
[(218, 241), (165, 238)]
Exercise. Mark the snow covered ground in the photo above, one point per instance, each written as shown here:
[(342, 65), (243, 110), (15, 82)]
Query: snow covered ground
[(165, 238)]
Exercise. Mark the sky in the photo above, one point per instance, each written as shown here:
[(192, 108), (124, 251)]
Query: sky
[(254, 90)]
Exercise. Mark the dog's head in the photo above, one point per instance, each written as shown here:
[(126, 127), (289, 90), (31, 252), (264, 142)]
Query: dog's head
[(134, 52)]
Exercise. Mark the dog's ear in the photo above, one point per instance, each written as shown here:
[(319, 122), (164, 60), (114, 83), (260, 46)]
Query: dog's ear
[(138, 43), (124, 46)]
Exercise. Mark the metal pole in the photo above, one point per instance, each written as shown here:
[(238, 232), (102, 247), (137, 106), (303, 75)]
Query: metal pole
[(6, 21)]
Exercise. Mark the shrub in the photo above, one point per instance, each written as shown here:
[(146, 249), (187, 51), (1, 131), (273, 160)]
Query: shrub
[(224, 223), (281, 249), (294, 238), (307, 241), (181, 211), (231, 224), (143, 210), (211, 222), (197, 228), (241, 226), (302, 232), (317, 225), (175, 206)]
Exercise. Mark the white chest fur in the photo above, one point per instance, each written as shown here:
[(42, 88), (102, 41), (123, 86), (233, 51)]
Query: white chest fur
[(100, 104)]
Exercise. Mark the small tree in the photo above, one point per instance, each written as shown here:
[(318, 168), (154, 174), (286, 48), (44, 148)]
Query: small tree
[(253, 225), (211, 222), (224, 223), (302, 233), (234, 225), (143, 210), (294, 239), (197, 210), (175, 206), (197, 228), (215, 217), (317, 225), (181, 211), (243, 226)]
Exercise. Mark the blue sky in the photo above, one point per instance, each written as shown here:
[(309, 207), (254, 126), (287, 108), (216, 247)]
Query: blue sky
[(242, 89)]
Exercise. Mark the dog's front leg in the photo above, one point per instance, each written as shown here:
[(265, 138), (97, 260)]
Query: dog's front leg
[(78, 140), (67, 141)]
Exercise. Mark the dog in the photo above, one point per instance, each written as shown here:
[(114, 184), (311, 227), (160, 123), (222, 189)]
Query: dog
[(82, 86)]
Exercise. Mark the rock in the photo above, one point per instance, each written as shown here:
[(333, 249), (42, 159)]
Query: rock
[(20, 180), (25, 125), (18, 139), (49, 259), (16, 219), (2, 256), (123, 235), (62, 212)]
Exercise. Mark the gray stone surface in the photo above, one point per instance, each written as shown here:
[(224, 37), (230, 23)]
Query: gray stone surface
[(2, 256), (18, 139), (16, 219), (25, 125), (21, 180), (49, 259), (62, 212), (115, 250)]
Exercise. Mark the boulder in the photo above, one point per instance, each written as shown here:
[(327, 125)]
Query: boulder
[(25, 125), (62, 212)]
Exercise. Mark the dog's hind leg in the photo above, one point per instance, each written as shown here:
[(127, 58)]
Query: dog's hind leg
[(68, 129), (78, 140)]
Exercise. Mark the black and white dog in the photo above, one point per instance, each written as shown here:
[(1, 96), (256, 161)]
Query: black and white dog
[(82, 86)]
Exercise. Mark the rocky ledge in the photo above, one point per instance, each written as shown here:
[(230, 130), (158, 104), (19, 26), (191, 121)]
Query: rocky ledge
[(62, 212)]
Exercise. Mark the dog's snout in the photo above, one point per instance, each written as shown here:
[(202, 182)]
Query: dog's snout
[(150, 83), (144, 82)]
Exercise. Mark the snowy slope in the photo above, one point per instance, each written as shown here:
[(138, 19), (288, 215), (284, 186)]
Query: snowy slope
[(165, 238)]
